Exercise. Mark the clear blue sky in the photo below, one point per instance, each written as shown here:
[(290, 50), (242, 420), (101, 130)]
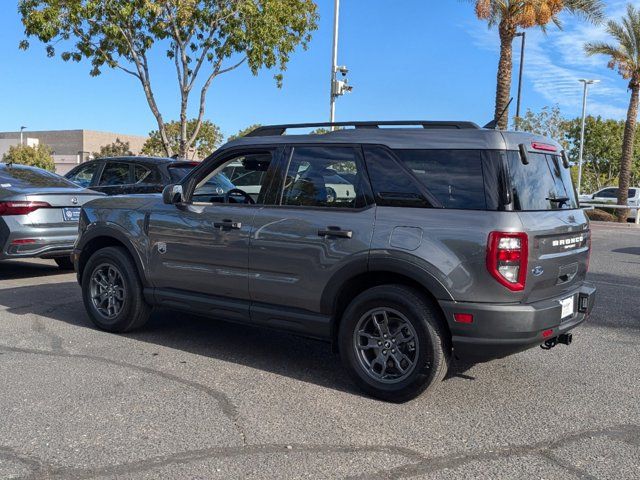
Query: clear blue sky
[(410, 59)]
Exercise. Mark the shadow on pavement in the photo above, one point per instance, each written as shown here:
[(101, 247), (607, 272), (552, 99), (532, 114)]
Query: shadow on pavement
[(629, 250), (17, 269), (277, 352)]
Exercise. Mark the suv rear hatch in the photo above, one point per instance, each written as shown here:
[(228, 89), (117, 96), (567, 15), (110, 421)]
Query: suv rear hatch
[(558, 230)]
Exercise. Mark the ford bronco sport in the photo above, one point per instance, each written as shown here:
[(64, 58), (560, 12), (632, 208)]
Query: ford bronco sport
[(448, 240)]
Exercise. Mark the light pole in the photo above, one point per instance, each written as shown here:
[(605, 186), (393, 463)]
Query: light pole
[(338, 87), (524, 36), (21, 130), (334, 60), (584, 117)]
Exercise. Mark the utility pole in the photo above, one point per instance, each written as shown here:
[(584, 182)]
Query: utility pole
[(338, 87), (584, 117), (21, 136), (524, 36)]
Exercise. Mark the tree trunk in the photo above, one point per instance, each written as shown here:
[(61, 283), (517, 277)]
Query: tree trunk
[(505, 71), (627, 150)]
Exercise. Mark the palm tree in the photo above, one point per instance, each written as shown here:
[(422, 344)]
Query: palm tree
[(510, 15), (625, 56)]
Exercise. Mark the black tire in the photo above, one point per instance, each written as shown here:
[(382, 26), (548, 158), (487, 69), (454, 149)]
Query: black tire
[(64, 263), (134, 311), (431, 352)]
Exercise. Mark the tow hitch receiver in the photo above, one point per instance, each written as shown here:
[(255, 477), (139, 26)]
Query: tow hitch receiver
[(565, 339)]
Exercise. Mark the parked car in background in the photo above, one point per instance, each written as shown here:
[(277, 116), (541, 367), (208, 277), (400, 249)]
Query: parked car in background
[(610, 195), (39, 213), (136, 175), (453, 241)]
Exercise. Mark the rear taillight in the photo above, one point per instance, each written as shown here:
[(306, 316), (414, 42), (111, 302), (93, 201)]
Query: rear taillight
[(507, 256), (21, 208)]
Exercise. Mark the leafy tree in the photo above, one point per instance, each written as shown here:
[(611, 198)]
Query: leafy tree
[(624, 55), (548, 122), (207, 139), (509, 16), (603, 141), (115, 149), (39, 156), (243, 132), (201, 38)]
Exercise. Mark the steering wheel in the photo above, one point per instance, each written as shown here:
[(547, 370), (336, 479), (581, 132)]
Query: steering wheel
[(239, 192)]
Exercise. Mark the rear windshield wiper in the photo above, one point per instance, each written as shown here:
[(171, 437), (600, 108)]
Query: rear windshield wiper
[(559, 200)]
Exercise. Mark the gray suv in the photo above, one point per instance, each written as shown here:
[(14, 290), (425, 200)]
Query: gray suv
[(431, 242)]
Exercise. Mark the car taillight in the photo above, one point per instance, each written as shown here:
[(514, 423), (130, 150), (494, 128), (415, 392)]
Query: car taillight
[(21, 208), (507, 256)]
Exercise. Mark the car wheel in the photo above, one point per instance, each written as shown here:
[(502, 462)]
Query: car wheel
[(64, 263), (112, 291), (393, 343)]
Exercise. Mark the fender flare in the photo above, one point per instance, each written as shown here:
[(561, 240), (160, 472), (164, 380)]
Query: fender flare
[(112, 230), (384, 262)]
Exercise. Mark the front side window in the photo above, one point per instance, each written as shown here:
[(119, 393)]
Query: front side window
[(323, 177), (115, 173), (543, 184), (214, 187), (454, 177), (84, 175)]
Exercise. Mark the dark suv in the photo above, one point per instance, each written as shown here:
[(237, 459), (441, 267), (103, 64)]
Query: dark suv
[(402, 246), (136, 175)]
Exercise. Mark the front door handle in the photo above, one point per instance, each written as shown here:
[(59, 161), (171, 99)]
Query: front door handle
[(335, 232), (228, 224)]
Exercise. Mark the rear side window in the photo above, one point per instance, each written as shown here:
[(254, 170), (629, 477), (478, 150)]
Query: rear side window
[(24, 177), (324, 177), (543, 184), (115, 174), (148, 175), (392, 185), (453, 177)]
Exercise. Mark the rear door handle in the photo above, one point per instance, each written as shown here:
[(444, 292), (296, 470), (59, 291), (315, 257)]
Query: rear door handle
[(228, 224), (335, 232)]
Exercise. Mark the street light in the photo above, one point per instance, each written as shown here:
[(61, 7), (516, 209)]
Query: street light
[(338, 87), (524, 36), (21, 130), (584, 117)]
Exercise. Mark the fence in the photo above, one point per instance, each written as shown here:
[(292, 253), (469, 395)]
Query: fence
[(591, 206)]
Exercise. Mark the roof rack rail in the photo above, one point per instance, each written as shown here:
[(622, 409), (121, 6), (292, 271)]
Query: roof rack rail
[(275, 130)]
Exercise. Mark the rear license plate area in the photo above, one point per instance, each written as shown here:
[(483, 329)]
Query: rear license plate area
[(568, 308), (71, 214)]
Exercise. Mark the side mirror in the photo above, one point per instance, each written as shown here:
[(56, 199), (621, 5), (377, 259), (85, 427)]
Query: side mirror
[(172, 194)]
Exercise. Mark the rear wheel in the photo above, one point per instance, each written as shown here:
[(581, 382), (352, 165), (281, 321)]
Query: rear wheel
[(64, 263), (112, 291), (393, 343)]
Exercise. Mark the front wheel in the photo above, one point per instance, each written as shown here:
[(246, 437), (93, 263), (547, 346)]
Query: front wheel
[(393, 343), (112, 291)]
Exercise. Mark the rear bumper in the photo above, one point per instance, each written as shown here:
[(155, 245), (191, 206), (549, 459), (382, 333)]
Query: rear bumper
[(501, 330)]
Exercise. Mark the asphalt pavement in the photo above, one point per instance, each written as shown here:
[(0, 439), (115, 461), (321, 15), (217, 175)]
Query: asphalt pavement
[(188, 397)]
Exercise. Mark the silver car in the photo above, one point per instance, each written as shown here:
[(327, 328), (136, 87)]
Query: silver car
[(39, 213)]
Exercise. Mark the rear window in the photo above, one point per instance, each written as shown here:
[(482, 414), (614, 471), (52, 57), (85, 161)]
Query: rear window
[(454, 177), (543, 184), (21, 177)]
